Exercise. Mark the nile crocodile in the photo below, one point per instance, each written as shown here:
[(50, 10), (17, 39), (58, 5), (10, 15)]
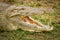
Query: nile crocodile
[(19, 17)]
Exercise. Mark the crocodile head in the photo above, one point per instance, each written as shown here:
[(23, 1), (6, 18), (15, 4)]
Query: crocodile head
[(20, 16)]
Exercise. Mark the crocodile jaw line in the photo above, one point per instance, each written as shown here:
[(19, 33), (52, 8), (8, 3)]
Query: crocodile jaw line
[(39, 26), (30, 20)]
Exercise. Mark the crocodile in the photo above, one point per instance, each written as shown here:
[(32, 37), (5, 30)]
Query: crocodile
[(19, 17)]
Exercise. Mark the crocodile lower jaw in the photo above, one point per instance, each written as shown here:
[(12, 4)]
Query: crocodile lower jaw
[(39, 26)]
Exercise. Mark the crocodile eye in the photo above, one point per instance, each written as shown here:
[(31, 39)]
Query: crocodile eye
[(12, 10), (22, 9)]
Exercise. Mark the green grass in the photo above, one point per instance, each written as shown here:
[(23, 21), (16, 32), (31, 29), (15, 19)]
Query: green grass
[(25, 35), (50, 19)]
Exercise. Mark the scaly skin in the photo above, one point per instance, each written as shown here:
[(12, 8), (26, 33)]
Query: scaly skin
[(19, 17)]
